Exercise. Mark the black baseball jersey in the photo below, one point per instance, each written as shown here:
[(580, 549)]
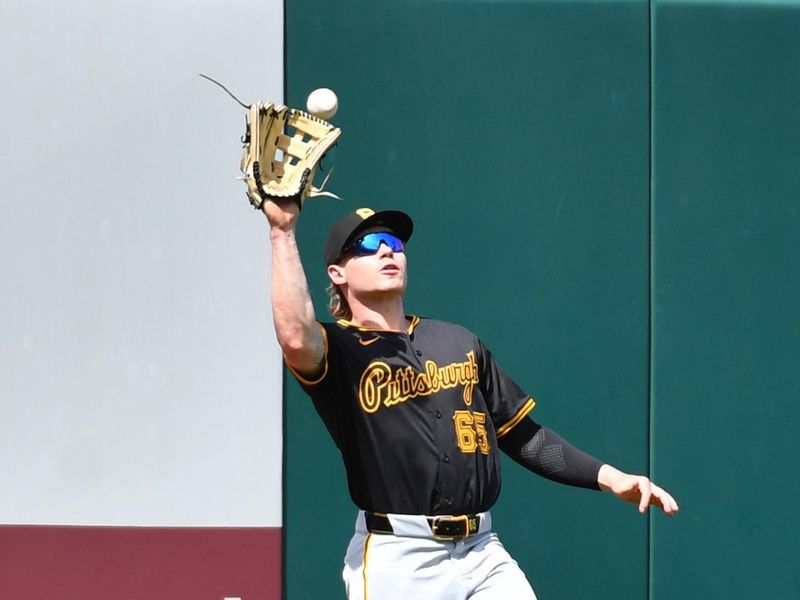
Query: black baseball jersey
[(416, 415)]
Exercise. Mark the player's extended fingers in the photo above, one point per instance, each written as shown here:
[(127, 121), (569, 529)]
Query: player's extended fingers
[(665, 500), (646, 492)]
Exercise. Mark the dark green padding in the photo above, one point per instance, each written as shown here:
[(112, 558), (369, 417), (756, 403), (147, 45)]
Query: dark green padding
[(727, 298), (517, 135)]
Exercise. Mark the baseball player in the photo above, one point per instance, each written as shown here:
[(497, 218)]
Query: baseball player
[(419, 410)]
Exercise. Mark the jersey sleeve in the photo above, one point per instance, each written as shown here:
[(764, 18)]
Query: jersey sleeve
[(324, 387), (309, 380), (508, 403)]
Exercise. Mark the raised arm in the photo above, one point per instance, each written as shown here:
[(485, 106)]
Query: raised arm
[(296, 327)]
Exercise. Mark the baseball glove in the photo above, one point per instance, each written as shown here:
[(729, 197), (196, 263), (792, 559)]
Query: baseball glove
[(282, 149)]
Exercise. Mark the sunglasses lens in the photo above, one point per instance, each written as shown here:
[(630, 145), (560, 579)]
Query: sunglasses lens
[(370, 243)]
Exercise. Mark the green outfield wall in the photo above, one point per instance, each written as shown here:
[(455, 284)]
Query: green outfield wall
[(607, 194), (726, 299)]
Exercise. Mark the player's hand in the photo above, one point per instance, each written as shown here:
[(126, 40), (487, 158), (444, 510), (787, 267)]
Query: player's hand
[(281, 216), (636, 489)]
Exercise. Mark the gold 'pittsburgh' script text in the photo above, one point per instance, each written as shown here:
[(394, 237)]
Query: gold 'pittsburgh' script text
[(380, 386)]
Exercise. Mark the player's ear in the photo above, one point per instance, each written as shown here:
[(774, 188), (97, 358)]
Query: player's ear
[(336, 274)]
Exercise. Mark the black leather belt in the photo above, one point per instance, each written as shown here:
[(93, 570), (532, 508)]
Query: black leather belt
[(442, 528)]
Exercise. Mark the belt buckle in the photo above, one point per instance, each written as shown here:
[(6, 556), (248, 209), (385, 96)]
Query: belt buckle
[(447, 522)]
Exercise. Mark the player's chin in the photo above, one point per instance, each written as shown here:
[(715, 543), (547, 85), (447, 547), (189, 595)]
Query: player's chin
[(392, 285), (392, 288)]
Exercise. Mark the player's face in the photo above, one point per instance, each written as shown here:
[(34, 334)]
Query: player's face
[(381, 272)]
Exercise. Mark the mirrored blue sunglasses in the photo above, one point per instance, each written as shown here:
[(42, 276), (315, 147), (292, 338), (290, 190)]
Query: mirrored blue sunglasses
[(370, 243)]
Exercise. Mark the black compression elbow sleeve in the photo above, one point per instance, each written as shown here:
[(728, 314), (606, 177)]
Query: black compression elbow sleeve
[(546, 453)]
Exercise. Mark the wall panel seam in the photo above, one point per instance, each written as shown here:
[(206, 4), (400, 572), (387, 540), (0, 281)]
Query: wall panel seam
[(651, 6)]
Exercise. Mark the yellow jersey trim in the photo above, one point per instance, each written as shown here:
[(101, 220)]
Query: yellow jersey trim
[(302, 379), (521, 414), (414, 320)]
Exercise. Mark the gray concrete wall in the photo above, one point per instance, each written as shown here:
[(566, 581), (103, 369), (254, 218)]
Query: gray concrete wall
[(139, 380)]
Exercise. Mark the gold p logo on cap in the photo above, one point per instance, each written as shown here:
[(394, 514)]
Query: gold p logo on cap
[(365, 213)]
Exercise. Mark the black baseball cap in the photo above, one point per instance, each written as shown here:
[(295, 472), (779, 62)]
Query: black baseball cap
[(344, 231)]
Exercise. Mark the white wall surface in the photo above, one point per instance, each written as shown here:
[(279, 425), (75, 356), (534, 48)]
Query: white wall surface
[(140, 383)]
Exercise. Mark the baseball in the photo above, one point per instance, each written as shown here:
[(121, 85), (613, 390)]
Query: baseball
[(322, 103)]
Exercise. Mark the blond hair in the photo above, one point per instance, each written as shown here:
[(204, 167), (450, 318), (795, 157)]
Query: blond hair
[(337, 303)]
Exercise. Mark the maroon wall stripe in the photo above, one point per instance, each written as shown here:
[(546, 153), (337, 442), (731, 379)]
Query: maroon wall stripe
[(139, 563)]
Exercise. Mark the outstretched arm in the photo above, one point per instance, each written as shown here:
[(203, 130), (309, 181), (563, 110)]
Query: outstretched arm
[(296, 327), (544, 452)]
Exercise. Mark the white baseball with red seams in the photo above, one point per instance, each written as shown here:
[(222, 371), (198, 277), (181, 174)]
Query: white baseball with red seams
[(322, 103)]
